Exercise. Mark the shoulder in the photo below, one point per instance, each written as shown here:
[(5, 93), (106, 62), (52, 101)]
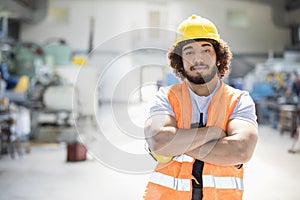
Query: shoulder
[(173, 92), (245, 108), (165, 92), (243, 96), (176, 88), (229, 93), (231, 90)]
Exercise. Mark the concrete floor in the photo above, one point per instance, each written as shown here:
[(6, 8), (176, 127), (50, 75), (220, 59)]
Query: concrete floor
[(272, 174)]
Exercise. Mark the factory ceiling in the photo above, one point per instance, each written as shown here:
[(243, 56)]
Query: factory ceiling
[(286, 13)]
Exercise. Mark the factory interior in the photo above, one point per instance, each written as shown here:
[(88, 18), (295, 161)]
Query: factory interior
[(77, 78)]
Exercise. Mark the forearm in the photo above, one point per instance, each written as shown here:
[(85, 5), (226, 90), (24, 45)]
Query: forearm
[(226, 151), (171, 141)]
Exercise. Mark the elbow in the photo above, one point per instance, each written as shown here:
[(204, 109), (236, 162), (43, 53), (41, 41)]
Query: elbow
[(159, 138), (151, 137), (246, 149), (244, 157), (156, 140), (157, 144), (154, 144)]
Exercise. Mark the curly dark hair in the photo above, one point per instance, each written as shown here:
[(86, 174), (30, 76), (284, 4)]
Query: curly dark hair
[(223, 53)]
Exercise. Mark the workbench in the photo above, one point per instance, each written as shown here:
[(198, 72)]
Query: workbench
[(289, 118)]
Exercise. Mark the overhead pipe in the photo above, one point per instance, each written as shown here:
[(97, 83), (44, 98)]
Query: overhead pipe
[(292, 5), (40, 9), (4, 27), (31, 13), (288, 19), (285, 17)]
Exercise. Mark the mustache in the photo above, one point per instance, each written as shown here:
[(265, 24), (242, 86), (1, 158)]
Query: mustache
[(198, 65)]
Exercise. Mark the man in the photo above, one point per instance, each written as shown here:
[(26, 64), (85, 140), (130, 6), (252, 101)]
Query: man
[(201, 131), (293, 89)]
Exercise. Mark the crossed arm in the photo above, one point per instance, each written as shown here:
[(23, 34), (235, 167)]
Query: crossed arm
[(209, 144)]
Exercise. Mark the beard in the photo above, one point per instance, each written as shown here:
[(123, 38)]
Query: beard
[(201, 78)]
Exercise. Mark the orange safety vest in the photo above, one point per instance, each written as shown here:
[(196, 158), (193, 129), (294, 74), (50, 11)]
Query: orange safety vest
[(173, 180)]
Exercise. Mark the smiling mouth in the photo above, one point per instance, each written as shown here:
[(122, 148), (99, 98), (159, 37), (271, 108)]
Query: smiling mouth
[(199, 68)]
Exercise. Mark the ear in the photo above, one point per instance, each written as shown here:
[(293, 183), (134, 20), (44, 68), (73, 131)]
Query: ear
[(218, 63)]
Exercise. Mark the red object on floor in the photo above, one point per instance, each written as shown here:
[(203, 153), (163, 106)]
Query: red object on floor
[(76, 152)]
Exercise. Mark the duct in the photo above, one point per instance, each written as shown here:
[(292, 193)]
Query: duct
[(10, 8), (32, 12), (283, 15), (292, 5), (40, 11), (289, 18), (279, 15), (286, 14), (295, 37)]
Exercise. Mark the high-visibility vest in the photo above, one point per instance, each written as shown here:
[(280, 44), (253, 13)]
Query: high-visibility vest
[(173, 180)]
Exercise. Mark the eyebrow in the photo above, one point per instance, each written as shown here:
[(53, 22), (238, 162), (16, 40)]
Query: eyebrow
[(206, 44), (186, 48), (202, 45)]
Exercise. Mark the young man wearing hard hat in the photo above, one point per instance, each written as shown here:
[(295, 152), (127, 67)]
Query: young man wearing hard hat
[(201, 131)]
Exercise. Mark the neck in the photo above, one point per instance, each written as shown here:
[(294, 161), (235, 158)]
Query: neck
[(204, 89)]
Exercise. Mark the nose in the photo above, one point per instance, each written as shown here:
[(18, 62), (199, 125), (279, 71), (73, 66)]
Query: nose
[(198, 58)]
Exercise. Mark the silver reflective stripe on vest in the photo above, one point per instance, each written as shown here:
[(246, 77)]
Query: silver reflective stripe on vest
[(171, 182), (223, 182), (183, 158), (208, 181)]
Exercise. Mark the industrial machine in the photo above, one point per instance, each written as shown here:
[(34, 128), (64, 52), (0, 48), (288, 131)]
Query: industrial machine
[(51, 101), (268, 83)]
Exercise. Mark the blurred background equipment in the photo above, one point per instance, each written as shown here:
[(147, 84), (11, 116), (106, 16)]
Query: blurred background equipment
[(55, 54), (58, 51)]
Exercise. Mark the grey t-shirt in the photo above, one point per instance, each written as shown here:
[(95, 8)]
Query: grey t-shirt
[(244, 110)]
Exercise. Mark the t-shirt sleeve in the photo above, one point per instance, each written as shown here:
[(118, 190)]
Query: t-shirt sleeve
[(160, 104), (245, 109)]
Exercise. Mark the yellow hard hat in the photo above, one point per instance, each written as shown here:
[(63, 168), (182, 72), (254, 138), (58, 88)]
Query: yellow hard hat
[(196, 27)]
